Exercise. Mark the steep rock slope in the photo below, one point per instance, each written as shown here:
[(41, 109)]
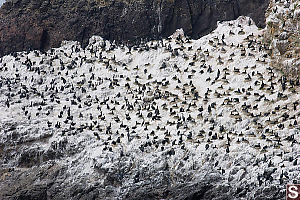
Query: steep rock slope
[(168, 119), (40, 24), (283, 36)]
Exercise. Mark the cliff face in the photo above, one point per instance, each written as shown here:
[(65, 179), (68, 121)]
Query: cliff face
[(41, 24), (282, 35), (166, 119)]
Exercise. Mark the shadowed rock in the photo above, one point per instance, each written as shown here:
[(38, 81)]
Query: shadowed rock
[(40, 24)]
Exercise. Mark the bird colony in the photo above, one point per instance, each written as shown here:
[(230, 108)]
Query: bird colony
[(169, 111), (283, 34)]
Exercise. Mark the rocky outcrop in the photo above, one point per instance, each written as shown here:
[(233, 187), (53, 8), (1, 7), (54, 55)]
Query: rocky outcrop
[(282, 35), (41, 24), (60, 140)]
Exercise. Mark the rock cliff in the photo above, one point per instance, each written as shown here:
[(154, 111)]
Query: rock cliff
[(41, 24), (283, 36), (168, 119)]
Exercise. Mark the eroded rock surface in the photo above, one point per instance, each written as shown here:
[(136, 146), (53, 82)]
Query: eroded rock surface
[(283, 36)]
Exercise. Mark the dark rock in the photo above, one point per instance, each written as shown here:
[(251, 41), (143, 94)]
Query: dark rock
[(29, 158), (35, 193), (282, 46), (271, 192), (42, 24)]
